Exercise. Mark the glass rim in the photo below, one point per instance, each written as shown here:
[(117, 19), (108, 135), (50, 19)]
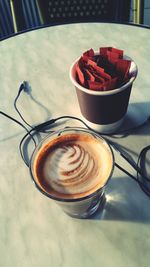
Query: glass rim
[(61, 199)]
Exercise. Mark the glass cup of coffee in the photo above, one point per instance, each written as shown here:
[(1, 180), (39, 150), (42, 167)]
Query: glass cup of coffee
[(72, 166)]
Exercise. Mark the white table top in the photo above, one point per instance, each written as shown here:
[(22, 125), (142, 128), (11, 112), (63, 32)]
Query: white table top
[(34, 231)]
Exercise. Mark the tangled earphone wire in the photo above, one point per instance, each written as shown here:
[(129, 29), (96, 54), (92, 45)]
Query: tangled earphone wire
[(141, 177)]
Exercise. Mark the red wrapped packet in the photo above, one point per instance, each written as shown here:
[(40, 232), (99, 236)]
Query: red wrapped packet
[(102, 72), (80, 75)]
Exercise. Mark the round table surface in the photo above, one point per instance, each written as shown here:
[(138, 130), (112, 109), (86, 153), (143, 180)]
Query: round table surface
[(34, 231)]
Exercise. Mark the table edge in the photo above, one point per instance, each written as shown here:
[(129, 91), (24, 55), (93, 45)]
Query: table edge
[(58, 24)]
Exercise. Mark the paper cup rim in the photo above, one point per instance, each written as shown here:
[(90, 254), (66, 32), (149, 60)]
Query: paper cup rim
[(133, 71)]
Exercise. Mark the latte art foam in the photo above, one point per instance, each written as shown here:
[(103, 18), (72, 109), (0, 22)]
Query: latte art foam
[(73, 165), (70, 169)]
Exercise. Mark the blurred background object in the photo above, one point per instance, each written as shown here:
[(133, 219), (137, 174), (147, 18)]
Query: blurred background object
[(68, 11), (6, 19), (138, 11), (20, 15), (147, 12), (25, 14)]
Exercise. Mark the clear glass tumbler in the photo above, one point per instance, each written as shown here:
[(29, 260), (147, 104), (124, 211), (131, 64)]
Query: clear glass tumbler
[(80, 206)]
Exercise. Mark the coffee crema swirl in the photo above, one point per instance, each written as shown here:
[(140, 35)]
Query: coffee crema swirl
[(71, 169), (73, 165)]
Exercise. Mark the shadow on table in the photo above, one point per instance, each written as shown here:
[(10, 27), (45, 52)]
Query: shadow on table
[(6, 138), (133, 118), (137, 114), (41, 105), (125, 201), (130, 121)]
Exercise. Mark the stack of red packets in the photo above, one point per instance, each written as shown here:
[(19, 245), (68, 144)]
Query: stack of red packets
[(103, 71)]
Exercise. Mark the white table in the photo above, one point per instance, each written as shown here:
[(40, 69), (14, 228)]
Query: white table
[(34, 231)]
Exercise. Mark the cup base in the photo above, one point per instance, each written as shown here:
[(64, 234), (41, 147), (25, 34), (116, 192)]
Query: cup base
[(104, 128), (98, 205)]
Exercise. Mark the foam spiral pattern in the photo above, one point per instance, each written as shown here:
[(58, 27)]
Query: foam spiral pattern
[(71, 169)]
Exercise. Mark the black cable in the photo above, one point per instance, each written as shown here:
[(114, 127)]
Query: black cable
[(125, 132), (125, 171), (141, 178), (21, 144), (142, 185), (28, 132), (25, 86), (137, 168), (21, 88), (40, 127)]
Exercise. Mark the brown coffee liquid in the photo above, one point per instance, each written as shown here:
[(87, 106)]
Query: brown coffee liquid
[(72, 165)]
